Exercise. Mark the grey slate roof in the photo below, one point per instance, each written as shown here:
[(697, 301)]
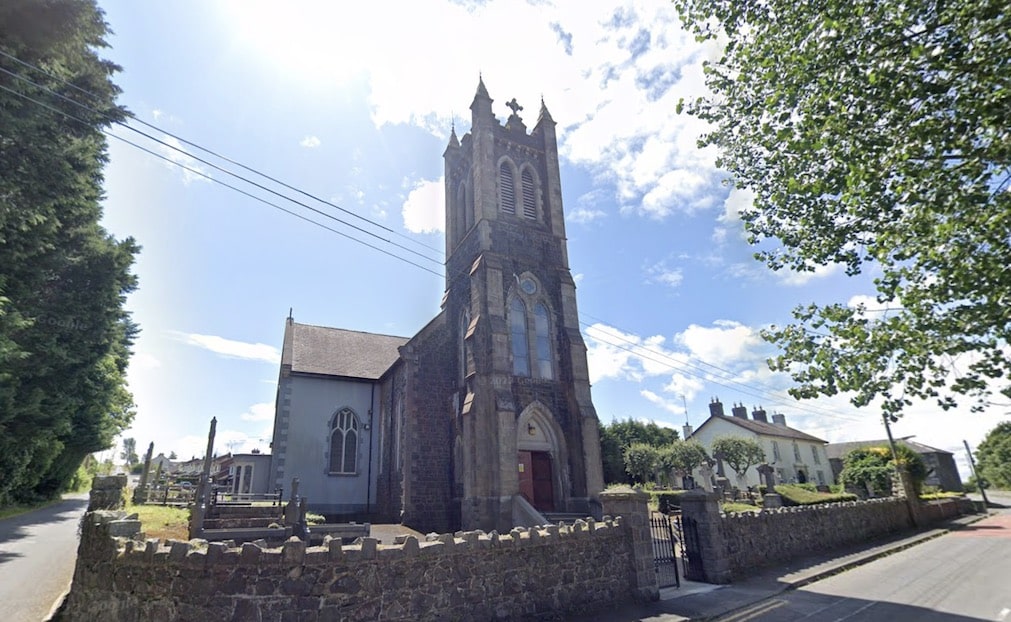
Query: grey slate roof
[(766, 429), (838, 450), (328, 351)]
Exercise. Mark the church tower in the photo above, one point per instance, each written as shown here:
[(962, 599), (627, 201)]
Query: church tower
[(525, 428)]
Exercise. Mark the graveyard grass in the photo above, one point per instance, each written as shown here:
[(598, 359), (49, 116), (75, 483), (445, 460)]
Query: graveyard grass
[(161, 521)]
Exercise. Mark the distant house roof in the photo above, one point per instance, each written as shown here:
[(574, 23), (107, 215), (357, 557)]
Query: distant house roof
[(765, 429), (337, 352), (838, 450)]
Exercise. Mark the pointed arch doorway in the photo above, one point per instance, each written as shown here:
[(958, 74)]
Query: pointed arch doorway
[(538, 443)]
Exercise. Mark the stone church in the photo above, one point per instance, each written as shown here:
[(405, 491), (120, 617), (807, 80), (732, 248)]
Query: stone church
[(482, 420)]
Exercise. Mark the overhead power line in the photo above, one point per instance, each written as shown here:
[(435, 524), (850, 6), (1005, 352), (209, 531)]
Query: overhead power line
[(231, 161), (688, 368)]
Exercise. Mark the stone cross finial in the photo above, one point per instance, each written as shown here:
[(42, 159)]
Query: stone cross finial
[(514, 106)]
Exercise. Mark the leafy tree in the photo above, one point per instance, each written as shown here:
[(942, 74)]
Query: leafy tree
[(64, 335), (642, 462), (618, 435), (874, 135), (739, 453), (129, 453), (993, 457), (871, 468), (680, 458), (868, 468), (172, 455)]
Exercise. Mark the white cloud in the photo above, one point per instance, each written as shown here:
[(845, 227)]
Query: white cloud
[(264, 411), (578, 277), (725, 343), (738, 200), (612, 75), (232, 349), (584, 215), (424, 208), (178, 159), (310, 142), (663, 274), (872, 309), (797, 279), (144, 360), (671, 406)]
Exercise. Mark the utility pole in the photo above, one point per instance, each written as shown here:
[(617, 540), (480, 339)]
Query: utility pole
[(979, 480)]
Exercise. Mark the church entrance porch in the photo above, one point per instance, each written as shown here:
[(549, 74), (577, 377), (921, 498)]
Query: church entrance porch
[(536, 480)]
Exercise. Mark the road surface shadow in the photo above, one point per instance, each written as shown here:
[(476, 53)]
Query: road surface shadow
[(19, 527), (785, 607)]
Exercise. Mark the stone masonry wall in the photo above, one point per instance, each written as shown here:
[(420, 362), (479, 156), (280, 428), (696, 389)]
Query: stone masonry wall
[(470, 576), (751, 540)]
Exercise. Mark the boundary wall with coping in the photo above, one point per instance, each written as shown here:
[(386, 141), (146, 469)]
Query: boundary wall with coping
[(538, 572), (732, 546)]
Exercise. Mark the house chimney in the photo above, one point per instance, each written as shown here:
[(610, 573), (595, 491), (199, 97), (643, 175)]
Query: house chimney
[(687, 430), (759, 415), (779, 419), (716, 408), (740, 411)]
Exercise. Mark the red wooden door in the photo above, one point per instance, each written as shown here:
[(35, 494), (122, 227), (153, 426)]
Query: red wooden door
[(526, 476), (544, 490)]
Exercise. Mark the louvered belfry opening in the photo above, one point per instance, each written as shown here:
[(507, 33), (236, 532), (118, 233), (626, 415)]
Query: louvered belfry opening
[(507, 188), (529, 199)]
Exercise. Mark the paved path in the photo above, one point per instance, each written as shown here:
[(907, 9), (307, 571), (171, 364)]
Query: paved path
[(960, 577), (37, 555)]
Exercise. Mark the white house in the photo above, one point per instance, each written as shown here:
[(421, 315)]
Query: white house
[(796, 456)]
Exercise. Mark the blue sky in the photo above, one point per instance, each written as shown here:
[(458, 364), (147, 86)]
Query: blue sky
[(353, 103)]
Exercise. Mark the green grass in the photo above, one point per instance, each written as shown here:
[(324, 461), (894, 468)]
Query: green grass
[(730, 508), (162, 521), (797, 495)]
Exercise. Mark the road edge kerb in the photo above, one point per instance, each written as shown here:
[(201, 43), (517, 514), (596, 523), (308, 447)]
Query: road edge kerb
[(58, 604), (932, 534)]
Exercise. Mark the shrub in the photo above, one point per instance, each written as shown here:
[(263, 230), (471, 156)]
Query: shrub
[(738, 508), (666, 500), (797, 494)]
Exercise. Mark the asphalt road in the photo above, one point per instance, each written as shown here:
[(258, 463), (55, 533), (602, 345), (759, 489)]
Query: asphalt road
[(37, 555), (962, 576)]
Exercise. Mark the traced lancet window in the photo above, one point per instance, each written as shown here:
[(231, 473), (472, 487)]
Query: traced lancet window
[(529, 198), (464, 207), (507, 188), (344, 442), (542, 337), (518, 332)]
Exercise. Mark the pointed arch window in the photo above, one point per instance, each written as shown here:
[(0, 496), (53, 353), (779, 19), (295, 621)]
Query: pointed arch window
[(464, 206), (542, 341), (507, 188), (344, 442), (518, 337), (529, 196)]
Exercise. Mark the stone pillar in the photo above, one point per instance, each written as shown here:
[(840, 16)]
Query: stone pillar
[(631, 506), (703, 533), (107, 493)]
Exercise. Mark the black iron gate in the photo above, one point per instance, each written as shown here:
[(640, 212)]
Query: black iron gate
[(664, 550), (687, 530)]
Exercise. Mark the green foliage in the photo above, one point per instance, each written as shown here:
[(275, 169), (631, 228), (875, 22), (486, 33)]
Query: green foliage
[(618, 435), (665, 500), (873, 136), (874, 466), (129, 453), (868, 467), (311, 518), (794, 494), (738, 508), (738, 453), (641, 462), (993, 457), (64, 335), (681, 458)]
